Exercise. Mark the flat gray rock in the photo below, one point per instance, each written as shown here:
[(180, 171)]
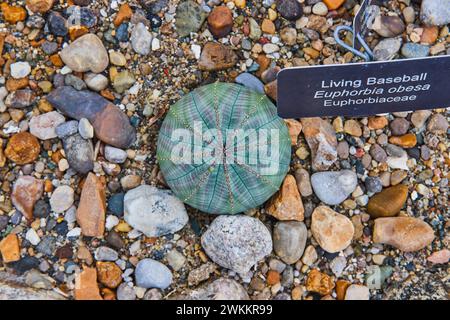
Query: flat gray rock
[(153, 211), (150, 273), (435, 12), (289, 240), (79, 153), (237, 242), (220, 289), (333, 187)]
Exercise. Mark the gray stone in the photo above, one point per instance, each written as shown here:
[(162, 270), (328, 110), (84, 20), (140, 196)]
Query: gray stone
[(125, 292), (438, 124), (287, 278), (189, 18), (153, 294), (378, 153), (3, 222), (303, 182), (49, 47), (220, 289), (237, 242), (13, 287), (415, 50), (420, 117), (289, 240), (115, 155), (74, 82), (106, 254), (289, 9), (386, 49), (47, 245), (141, 39), (175, 259), (395, 151), (435, 12), (79, 153), (333, 188), (85, 129), (373, 185), (399, 126), (277, 265), (66, 129), (250, 81), (150, 273), (388, 26), (153, 211), (61, 199), (37, 280), (337, 265), (96, 82)]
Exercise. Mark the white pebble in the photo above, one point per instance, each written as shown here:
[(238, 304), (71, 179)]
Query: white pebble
[(63, 165), (85, 129), (156, 44), (270, 48), (75, 232), (111, 222), (320, 9), (196, 49), (20, 69), (32, 237)]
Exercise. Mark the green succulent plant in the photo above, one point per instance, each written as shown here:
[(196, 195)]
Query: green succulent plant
[(223, 149)]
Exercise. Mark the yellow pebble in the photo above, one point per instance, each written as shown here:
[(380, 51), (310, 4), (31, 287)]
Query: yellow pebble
[(240, 3), (123, 227), (272, 14), (202, 256)]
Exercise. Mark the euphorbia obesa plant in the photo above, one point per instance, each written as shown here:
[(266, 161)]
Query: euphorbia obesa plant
[(223, 149)]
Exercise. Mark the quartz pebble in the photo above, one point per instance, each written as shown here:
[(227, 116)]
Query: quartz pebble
[(20, 69), (44, 126)]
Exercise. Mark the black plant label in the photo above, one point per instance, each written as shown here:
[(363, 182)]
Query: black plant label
[(362, 89)]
